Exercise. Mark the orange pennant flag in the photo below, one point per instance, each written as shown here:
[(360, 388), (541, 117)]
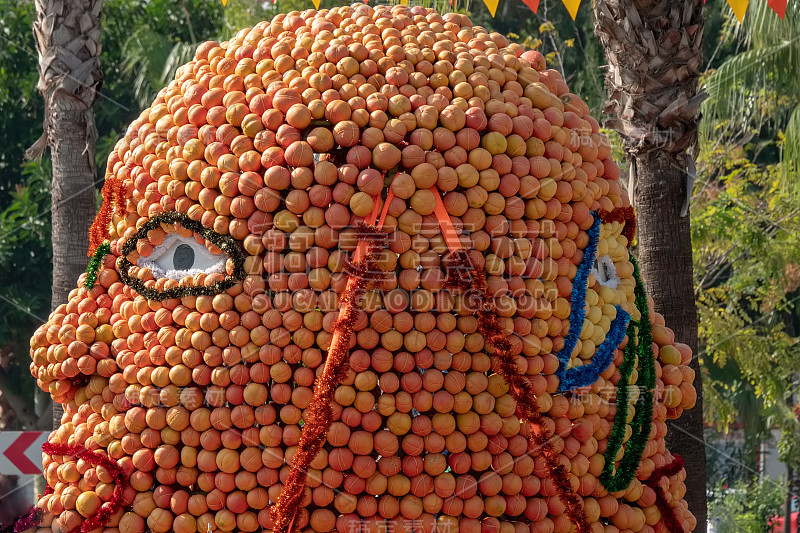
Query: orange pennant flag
[(533, 4), (492, 5), (778, 6), (316, 3), (739, 7), (572, 7)]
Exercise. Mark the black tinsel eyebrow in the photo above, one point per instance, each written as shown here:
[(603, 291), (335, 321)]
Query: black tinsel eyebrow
[(226, 243)]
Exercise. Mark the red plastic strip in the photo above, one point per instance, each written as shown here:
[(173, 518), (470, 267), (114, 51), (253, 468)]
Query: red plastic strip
[(445, 224), (361, 248)]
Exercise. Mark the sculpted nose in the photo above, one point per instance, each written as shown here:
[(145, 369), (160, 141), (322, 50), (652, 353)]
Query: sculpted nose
[(76, 342)]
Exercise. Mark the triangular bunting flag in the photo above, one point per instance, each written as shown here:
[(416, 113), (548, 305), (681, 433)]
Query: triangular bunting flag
[(533, 4), (739, 7), (224, 2), (778, 6), (492, 5), (316, 3), (572, 7)]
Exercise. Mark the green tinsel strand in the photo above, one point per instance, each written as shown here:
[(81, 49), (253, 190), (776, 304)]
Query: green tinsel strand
[(640, 349), (226, 243), (94, 264)]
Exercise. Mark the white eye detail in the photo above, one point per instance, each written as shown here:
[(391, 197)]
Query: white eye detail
[(605, 272), (179, 256)]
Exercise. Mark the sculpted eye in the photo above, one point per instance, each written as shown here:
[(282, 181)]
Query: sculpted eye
[(181, 264), (605, 272), (179, 256)]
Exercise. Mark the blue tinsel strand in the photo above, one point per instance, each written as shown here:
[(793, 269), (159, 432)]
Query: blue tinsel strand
[(583, 376), (578, 301)]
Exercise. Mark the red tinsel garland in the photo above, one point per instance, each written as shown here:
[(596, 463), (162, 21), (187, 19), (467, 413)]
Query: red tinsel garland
[(320, 413), (113, 193), (120, 479), (621, 214), (462, 275), (29, 520), (667, 512)]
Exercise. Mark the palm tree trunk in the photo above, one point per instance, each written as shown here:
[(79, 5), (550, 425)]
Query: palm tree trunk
[(665, 254), (654, 51), (67, 38)]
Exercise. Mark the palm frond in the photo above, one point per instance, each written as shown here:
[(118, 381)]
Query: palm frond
[(791, 152), (764, 28), (180, 54), (146, 53), (756, 88), (732, 30), (744, 90)]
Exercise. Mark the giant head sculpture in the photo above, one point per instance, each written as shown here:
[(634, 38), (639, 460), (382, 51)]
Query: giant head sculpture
[(363, 269)]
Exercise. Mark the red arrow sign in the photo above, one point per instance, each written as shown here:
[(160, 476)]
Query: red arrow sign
[(20, 452), (16, 452)]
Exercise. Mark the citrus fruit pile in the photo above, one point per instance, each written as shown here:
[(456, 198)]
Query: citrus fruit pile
[(300, 192)]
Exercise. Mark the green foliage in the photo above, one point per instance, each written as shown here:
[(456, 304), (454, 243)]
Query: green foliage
[(730, 398), (730, 457), (25, 252), (719, 28), (20, 103), (25, 255), (163, 38), (746, 256), (754, 92), (745, 507), (247, 14)]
